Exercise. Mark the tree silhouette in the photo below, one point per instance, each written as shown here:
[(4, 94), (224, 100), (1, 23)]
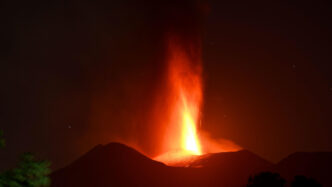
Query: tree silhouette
[(303, 181), (29, 172), (266, 179)]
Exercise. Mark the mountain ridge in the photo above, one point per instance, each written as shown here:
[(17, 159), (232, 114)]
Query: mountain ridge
[(116, 164)]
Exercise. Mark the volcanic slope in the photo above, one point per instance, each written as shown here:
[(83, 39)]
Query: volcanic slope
[(118, 165)]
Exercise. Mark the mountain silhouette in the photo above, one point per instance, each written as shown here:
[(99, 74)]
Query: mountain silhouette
[(116, 164)]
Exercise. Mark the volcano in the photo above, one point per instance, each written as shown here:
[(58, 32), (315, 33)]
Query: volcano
[(116, 164)]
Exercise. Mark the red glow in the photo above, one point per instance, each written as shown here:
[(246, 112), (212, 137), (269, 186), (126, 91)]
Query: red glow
[(183, 101), (185, 93)]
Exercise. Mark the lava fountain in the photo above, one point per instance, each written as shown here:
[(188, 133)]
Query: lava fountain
[(184, 100), (185, 78)]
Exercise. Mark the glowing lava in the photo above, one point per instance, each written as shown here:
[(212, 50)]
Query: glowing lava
[(185, 78), (190, 140), (179, 105), (184, 98)]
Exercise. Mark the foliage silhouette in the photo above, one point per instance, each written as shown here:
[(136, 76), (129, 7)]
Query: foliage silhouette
[(266, 179), (303, 181), (29, 172)]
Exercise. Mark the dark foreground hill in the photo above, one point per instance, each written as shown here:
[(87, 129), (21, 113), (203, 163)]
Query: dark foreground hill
[(316, 165), (118, 165)]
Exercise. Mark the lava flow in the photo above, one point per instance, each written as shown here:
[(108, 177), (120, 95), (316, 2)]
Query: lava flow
[(184, 95)]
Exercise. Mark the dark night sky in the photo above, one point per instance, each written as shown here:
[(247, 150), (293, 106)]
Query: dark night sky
[(76, 74)]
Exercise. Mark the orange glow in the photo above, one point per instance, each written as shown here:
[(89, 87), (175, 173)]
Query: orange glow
[(179, 108), (185, 80), (190, 141), (184, 97)]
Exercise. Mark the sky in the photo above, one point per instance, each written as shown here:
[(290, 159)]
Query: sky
[(76, 74)]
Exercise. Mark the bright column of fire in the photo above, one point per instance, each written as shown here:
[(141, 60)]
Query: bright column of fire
[(185, 98)]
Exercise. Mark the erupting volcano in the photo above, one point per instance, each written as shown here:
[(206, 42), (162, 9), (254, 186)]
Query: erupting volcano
[(179, 108)]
